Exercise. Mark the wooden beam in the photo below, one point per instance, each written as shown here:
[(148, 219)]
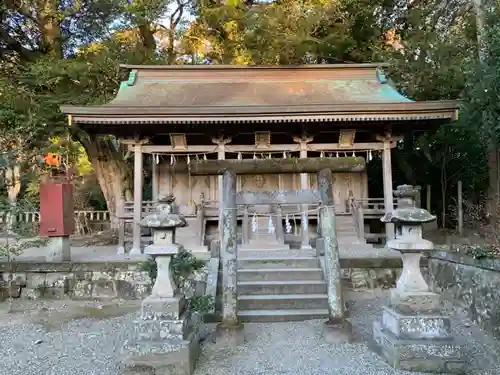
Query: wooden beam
[(311, 196), (315, 147), (276, 166)]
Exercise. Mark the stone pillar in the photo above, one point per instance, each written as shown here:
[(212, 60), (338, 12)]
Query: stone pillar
[(336, 329), (229, 329), (304, 185), (221, 142), (138, 179), (167, 333), (414, 334), (387, 181)]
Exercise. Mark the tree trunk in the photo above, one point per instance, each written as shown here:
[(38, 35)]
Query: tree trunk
[(112, 172)]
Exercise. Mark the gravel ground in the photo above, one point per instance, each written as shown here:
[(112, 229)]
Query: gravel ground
[(92, 346)]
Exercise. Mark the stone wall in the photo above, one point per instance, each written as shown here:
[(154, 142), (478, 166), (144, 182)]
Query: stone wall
[(87, 280), (372, 273), (93, 280), (473, 285)]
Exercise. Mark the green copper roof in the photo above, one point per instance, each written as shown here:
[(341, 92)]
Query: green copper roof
[(291, 89)]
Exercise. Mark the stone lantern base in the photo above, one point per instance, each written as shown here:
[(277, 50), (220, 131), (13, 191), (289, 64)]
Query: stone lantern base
[(415, 338), (166, 339)]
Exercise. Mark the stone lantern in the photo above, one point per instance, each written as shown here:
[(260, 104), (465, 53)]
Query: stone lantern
[(167, 333), (414, 334)]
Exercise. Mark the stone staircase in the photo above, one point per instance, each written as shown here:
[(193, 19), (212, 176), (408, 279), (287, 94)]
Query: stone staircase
[(280, 285), (347, 236)]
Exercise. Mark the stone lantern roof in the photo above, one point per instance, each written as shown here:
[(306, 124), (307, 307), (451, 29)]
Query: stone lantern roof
[(164, 217), (406, 211)]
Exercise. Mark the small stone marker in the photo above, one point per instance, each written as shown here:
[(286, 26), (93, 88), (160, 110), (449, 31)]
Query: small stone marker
[(414, 334), (167, 334)]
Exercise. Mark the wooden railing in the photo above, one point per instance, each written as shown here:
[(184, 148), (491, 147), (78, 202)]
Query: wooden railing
[(357, 211), (34, 216)]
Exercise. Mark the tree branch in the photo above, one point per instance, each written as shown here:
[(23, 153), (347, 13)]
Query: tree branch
[(15, 46)]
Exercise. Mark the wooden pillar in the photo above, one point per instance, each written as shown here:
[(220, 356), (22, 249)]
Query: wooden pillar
[(460, 208), (138, 177), (154, 172), (245, 226), (387, 180), (428, 199), (304, 184), (280, 235)]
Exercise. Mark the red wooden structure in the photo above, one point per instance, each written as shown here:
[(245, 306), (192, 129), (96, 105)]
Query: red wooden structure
[(56, 209)]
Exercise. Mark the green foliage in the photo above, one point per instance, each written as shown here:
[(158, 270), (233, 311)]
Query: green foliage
[(202, 304), (150, 267), (183, 266), (482, 251)]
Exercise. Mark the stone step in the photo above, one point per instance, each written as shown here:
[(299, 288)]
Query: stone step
[(258, 245), (276, 274), (266, 253), (281, 315), (278, 262), (281, 287), (283, 302)]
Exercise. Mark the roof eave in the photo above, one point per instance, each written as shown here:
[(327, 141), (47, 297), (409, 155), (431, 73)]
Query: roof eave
[(256, 67), (354, 109)]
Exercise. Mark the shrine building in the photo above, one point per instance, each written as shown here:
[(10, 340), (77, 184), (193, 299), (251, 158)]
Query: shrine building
[(182, 114)]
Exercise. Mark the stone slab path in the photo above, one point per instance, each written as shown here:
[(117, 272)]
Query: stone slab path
[(74, 338)]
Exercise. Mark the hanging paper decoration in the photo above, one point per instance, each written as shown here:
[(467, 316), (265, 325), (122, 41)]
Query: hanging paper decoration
[(269, 156), (353, 154), (370, 156), (204, 156), (254, 156), (197, 157), (240, 156), (337, 154), (270, 225), (157, 159), (188, 160), (284, 155), (322, 155), (330, 154), (172, 160), (254, 223), (288, 226)]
